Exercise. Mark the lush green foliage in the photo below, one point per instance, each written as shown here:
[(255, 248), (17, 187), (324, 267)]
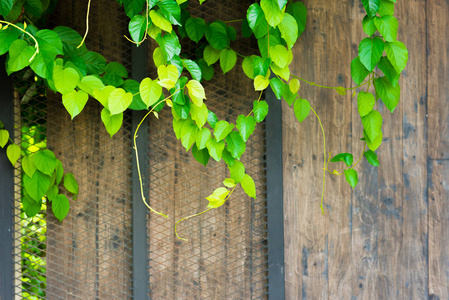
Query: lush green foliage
[(63, 63)]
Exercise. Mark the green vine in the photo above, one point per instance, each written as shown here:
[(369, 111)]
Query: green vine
[(61, 61)]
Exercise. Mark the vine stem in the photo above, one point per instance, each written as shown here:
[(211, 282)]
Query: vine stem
[(137, 157), (24, 31), (324, 163), (198, 214), (232, 21), (87, 25)]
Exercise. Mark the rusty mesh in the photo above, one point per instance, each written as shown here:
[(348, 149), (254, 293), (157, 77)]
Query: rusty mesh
[(89, 254)]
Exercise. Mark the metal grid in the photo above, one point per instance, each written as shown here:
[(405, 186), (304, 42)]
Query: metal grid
[(226, 255), (89, 254)]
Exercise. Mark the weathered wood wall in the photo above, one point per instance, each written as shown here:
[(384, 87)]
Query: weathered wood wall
[(388, 238)]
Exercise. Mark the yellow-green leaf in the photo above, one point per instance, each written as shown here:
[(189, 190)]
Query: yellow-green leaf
[(118, 101), (261, 83), (196, 92), (168, 76)]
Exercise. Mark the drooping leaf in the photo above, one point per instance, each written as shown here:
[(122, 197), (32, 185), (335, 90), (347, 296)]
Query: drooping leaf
[(118, 101), (211, 55), (387, 92), (70, 183), (365, 103), (4, 137), (112, 123), (137, 26), (28, 165), (7, 36), (249, 186), (19, 56), (160, 21), (358, 71), (260, 110), (371, 157), (13, 153), (386, 7), (237, 171), (299, 11), (387, 68), (171, 11), (273, 13), (74, 102), (235, 144), (215, 148), (279, 55), (59, 171), (397, 54), (370, 52), (283, 73), (261, 83), (168, 75), (102, 95), (45, 161), (294, 85), (212, 119), (277, 86), (372, 123), (288, 28), (228, 58), (246, 126), (150, 91), (207, 72), (60, 206), (199, 115), (193, 68), (5, 7), (90, 83), (202, 137), (347, 158), (65, 79), (222, 129), (368, 25), (195, 28), (201, 155), (247, 66), (37, 185), (229, 182), (351, 177), (371, 6), (388, 27), (301, 109), (196, 92), (217, 35), (372, 144)]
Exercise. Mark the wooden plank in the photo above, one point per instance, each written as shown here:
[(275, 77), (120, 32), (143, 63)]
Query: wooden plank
[(439, 229), (438, 76), (413, 274)]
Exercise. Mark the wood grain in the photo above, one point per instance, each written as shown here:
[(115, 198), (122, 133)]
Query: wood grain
[(439, 229), (438, 77)]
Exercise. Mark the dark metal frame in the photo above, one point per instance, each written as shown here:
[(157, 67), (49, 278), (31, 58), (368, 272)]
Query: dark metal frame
[(6, 190)]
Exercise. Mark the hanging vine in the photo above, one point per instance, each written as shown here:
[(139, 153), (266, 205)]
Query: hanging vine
[(61, 61)]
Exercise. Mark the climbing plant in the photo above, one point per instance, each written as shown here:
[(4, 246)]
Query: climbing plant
[(62, 62)]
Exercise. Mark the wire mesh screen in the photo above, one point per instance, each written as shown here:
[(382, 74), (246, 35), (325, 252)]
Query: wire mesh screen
[(89, 254), (225, 257)]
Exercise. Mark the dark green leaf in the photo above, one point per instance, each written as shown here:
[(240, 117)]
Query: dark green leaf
[(228, 58), (277, 86), (137, 27), (387, 68), (227, 157), (347, 158), (261, 66), (7, 36), (217, 36), (5, 7), (371, 157), (368, 25), (171, 11), (207, 72), (133, 7), (202, 156), (371, 6), (215, 148), (299, 11), (195, 28), (212, 119), (193, 68), (202, 137), (235, 144), (30, 206), (358, 71)]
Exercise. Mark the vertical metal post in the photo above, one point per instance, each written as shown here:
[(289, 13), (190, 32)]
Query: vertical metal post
[(140, 246), (275, 199), (6, 190)]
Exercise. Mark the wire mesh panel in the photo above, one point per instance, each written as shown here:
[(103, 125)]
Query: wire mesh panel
[(225, 256), (89, 254)]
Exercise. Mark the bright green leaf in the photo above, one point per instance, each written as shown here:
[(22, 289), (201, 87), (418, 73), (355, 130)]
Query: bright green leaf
[(301, 109), (371, 6), (358, 71), (228, 58), (387, 68), (365, 103), (371, 157), (118, 101), (137, 27), (65, 79), (195, 28), (237, 171), (112, 123), (229, 182), (388, 27), (59, 171), (277, 86), (386, 8), (279, 55), (28, 165), (70, 183), (90, 83), (246, 126), (74, 102), (289, 30), (150, 91), (373, 144), (4, 137), (7, 36), (102, 95), (202, 137), (397, 54), (60, 206), (215, 148), (45, 161), (387, 92), (160, 21), (30, 206), (370, 52), (211, 55), (13, 153), (273, 13), (351, 177), (261, 83), (218, 197), (196, 92), (247, 66), (199, 115), (19, 56), (217, 36), (368, 25), (222, 129), (37, 185), (372, 123), (249, 186), (260, 110)]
